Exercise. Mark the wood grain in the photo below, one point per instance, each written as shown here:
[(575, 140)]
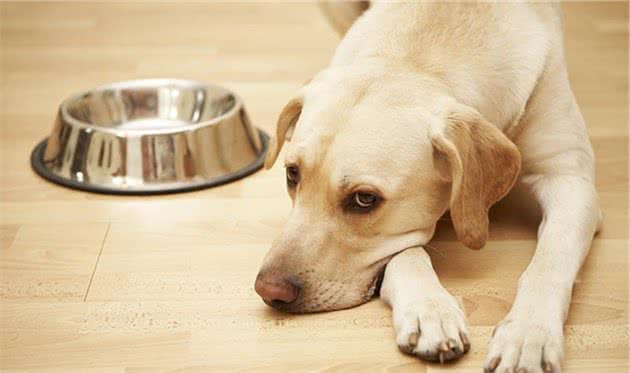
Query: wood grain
[(103, 284)]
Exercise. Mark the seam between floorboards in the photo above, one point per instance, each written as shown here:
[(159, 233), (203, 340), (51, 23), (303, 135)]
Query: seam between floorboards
[(98, 258)]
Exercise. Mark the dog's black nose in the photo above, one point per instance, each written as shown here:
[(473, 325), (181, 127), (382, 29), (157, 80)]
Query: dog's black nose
[(276, 290)]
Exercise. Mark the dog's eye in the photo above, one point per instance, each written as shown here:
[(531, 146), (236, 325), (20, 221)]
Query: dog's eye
[(362, 202), (293, 176)]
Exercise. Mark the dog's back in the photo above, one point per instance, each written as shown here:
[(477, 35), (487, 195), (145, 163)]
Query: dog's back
[(488, 53), (342, 14)]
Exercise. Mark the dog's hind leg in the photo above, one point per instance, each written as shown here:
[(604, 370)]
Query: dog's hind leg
[(428, 321)]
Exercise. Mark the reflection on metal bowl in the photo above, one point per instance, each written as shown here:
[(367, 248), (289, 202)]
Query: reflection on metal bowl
[(150, 136)]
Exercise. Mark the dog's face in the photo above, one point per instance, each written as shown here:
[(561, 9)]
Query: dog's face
[(368, 179)]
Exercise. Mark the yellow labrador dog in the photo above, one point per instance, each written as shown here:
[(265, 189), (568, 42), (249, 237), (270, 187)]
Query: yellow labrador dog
[(428, 107)]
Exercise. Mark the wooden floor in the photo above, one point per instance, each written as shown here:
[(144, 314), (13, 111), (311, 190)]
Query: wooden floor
[(94, 283)]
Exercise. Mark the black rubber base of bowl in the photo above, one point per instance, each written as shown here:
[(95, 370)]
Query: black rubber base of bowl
[(37, 162)]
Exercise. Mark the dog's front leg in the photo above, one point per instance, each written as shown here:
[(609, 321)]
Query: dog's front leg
[(427, 319), (530, 338)]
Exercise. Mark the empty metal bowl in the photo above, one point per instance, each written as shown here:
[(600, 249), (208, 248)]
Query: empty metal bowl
[(150, 136)]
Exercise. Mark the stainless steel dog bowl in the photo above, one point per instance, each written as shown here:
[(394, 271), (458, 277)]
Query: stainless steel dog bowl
[(150, 136)]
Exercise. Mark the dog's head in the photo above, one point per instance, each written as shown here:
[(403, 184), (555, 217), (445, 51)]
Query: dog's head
[(371, 165)]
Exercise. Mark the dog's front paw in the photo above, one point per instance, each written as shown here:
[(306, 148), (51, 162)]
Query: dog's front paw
[(525, 344), (433, 329)]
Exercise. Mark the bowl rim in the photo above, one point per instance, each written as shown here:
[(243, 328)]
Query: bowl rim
[(148, 83)]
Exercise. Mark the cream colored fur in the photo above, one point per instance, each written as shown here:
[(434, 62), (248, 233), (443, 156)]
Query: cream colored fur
[(437, 106)]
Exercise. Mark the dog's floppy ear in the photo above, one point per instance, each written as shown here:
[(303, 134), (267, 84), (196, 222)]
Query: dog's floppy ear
[(484, 164), (284, 129)]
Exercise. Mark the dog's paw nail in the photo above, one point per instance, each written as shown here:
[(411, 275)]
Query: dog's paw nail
[(408, 349), (452, 344), (413, 339), (444, 347), (547, 367), (494, 363), (465, 341), (412, 342)]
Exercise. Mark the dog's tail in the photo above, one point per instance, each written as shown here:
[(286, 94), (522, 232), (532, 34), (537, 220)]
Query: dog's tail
[(342, 14)]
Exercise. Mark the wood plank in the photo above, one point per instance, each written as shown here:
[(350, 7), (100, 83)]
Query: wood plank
[(51, 262)]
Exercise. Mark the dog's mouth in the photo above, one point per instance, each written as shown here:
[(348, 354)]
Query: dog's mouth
[(334, 299)]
